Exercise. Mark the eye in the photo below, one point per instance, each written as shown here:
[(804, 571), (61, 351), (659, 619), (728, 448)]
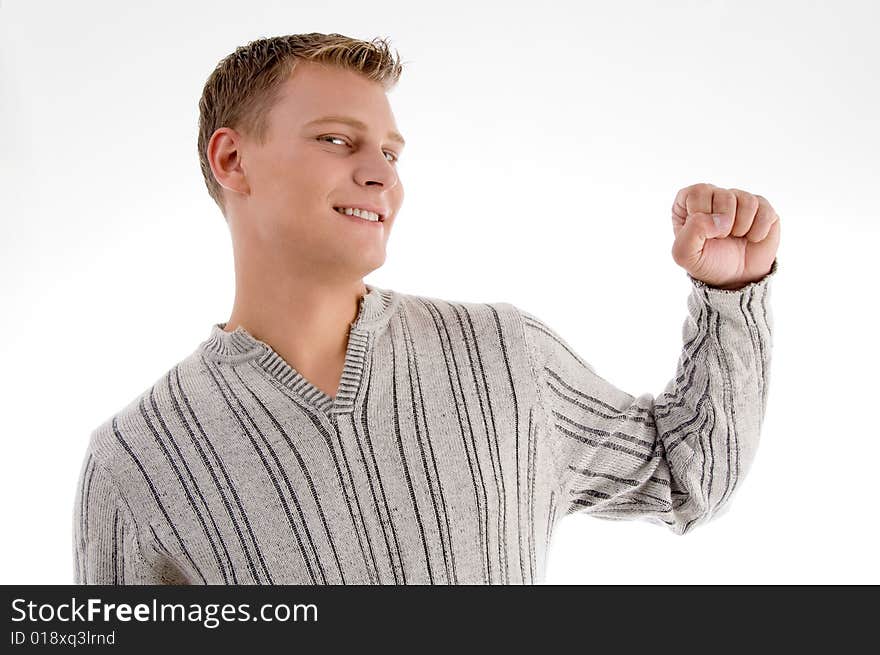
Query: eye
[(330, 137), (339, 138)]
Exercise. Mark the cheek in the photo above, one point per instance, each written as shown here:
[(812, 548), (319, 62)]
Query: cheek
[(295, 188), (397, 201), (311, 178)]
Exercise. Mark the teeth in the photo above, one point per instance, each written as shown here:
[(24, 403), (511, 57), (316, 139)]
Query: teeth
[(361, 213)]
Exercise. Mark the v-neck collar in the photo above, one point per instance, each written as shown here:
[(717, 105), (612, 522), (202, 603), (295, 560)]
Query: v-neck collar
[(375, 309)]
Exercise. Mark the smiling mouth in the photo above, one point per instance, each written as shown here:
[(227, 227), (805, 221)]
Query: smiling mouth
[(380, 220)]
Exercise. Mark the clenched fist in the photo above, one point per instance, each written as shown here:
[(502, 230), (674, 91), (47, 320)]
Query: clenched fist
[(725, 237)]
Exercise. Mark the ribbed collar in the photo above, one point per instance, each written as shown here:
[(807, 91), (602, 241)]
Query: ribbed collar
[(375, 309)]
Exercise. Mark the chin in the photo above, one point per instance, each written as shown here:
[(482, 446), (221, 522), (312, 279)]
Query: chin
[(371, 261)]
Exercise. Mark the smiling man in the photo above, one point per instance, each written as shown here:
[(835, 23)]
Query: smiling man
[(310, 206), (335, 432)]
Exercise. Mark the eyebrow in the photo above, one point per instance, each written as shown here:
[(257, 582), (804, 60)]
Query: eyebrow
[(354, 122)]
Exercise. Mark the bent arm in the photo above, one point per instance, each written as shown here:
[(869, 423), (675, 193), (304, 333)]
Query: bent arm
[(676, 459)]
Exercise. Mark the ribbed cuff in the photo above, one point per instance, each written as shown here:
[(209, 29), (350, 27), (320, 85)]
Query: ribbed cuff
[(700, 284)]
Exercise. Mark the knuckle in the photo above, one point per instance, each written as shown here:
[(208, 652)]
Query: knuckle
[(762, 200)]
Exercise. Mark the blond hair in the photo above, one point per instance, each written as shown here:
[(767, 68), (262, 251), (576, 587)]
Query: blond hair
[(245, 84)]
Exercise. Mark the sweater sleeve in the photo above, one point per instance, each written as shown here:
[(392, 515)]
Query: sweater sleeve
[(106, 541), (677, 459)]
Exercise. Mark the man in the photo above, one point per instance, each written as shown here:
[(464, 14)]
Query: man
[(334, 432)]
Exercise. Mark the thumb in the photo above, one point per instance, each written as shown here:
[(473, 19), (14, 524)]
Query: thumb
[(688, 246)]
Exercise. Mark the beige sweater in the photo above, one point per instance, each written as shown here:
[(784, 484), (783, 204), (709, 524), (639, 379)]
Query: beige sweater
[(461, 433)]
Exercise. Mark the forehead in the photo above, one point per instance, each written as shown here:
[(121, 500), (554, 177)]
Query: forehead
[(315, 90)]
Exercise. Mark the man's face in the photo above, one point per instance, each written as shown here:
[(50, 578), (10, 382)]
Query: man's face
[(306, 169)]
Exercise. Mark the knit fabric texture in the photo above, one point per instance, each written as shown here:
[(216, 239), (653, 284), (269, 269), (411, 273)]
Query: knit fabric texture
[(461, 433)]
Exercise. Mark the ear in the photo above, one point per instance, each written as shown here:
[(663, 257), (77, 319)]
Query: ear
[(224, 155)]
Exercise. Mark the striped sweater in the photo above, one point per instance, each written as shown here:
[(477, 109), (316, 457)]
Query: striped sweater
[(460, 434)]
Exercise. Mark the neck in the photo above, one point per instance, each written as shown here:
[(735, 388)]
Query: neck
[(305, 320)]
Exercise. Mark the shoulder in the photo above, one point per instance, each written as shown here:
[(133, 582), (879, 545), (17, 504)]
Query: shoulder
[(412, 302), (434, 312), (547, 343), (130, 432)]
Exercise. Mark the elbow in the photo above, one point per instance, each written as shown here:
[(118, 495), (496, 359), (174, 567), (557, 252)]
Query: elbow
[(697, 515)]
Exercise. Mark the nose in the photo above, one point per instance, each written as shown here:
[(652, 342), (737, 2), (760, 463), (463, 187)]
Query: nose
[(382, 174)]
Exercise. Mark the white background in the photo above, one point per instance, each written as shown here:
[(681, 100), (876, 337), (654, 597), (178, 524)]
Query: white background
[(546, 143)]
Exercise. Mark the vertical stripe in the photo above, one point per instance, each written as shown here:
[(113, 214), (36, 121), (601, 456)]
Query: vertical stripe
[(418, 407), (395, 404), (115, 546), (395, 556)]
